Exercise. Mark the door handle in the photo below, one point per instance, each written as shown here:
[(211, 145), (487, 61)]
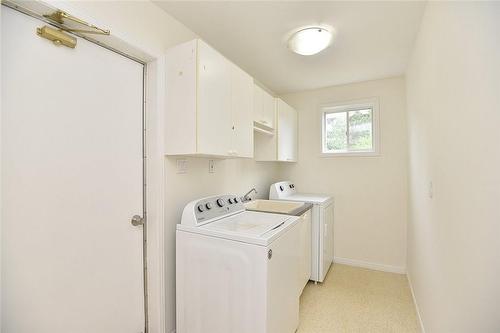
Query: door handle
[(137, 220)]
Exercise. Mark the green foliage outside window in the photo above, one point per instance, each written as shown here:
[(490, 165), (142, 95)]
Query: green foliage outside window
[(359, 129), (336, 138)]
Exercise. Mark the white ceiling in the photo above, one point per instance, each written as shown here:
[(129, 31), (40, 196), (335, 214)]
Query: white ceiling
[(373, 39)]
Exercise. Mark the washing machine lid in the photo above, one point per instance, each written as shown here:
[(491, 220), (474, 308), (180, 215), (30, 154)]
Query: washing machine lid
[(309, 197), (249, 227), (253, 224)]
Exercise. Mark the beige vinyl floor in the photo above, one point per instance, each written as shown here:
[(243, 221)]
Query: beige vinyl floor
[(353, 299)]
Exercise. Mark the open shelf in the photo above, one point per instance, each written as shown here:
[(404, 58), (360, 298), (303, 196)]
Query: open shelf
[(263, 128)]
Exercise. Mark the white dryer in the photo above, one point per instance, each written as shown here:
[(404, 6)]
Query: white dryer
[(236, 270), (322, 225)]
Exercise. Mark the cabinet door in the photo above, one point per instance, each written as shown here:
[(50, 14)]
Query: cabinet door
[(242, 91), (295, 135), (287, 132), (180, 115), (214, 102), (258, 106), (268, 109)]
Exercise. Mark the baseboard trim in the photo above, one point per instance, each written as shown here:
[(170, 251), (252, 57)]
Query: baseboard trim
[(370, 265), (420, 322)]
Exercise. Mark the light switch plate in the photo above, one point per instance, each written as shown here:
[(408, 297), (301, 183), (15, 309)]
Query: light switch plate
[(182, 166)]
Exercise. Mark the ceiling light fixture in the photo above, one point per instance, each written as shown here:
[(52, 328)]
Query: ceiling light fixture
[(310, 41)]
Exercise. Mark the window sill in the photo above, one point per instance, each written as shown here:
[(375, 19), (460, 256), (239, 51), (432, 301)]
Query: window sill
[(352, 154)]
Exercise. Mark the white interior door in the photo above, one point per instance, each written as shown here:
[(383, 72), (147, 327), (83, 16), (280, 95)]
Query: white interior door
[(71, 180)]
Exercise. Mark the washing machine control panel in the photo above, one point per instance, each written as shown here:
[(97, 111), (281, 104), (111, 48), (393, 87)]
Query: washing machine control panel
[(217, 206)]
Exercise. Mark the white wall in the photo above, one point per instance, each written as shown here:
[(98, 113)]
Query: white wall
[(453, 94), (370, 192)]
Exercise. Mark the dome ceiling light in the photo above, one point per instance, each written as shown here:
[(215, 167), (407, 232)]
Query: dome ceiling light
[(310, 41)]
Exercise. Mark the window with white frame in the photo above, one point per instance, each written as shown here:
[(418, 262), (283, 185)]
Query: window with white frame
[(350, 128)]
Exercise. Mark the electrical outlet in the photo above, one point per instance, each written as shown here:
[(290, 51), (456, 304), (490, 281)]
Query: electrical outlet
[(211, 166), (182, 166), (431, 190)]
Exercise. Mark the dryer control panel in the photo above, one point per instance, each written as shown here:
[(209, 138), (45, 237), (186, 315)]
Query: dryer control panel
[(281, 190), (200, 211)]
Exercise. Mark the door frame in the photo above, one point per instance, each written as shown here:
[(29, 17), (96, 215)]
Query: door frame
[(152, 154)]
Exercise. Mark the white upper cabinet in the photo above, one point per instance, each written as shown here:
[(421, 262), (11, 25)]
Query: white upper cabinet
[(280, 145), (242, 112), (287, 132), (214, 102), (209, 104), (264, 108), (269, 110)]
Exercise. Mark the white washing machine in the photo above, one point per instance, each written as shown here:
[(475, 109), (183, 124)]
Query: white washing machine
[(236, 270), (322, 225)]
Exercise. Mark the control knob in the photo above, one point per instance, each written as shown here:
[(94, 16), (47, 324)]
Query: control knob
[(201, 208), (208, 205), (220, 202)]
